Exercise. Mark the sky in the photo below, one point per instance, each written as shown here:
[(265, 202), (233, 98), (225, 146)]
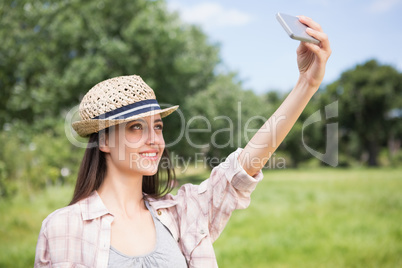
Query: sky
[(253, 44)]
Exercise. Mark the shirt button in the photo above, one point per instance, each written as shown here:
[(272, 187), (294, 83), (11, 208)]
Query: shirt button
[(159, 212), (202, 231)]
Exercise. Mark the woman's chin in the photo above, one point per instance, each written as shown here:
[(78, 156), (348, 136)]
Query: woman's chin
[(146, 168), (150, 173)]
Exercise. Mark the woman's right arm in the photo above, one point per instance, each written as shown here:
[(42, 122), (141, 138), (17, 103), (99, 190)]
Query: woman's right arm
[(42, 256)]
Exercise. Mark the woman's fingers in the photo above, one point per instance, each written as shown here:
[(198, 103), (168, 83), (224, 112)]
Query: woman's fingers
[(323, 37), (312, 47), (310, 23), (312, 58), (314, 29)]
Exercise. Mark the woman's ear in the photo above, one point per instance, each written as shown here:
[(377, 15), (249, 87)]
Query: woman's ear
[(104, 142)]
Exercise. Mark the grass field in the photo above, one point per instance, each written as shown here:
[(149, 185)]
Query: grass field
[(297, 218)]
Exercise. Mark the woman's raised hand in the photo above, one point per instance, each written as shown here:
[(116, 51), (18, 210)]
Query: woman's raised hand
[(311, 58)]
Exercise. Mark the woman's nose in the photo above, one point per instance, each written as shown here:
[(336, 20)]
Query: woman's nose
[(152, 137)]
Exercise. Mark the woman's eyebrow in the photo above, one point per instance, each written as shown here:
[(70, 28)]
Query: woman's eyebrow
[(140, 120), (158, 120)]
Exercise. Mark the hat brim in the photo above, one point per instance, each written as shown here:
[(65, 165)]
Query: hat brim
[(86, 127)]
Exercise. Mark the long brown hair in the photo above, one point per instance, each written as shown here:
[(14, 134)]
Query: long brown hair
[(93, 169)]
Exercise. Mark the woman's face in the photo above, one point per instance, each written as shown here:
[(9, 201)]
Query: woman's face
[(135, 147)]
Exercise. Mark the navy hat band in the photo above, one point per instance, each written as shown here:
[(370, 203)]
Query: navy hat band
[(130, 110)]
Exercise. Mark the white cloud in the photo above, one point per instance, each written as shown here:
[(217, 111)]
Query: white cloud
[(381, 6), (209, 15)]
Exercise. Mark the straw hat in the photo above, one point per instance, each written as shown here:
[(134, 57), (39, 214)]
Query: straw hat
[(115, 101)]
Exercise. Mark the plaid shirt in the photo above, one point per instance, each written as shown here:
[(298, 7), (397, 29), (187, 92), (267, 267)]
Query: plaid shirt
[(79, 235)]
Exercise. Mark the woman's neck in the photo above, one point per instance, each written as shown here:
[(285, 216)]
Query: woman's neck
[(122, 193)]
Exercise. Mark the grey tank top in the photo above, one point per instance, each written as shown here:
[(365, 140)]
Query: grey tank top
[(165, 254)]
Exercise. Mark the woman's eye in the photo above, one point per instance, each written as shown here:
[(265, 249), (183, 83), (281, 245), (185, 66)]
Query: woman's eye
[(159, 127), (136, 126)]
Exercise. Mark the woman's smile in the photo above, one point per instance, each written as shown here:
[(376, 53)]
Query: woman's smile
[(151, 155)]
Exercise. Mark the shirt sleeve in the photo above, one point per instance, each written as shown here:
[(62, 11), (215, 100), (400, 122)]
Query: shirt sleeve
[(229, 187), (42, 256)]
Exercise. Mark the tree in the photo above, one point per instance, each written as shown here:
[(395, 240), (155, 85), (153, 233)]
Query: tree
[(222, 118), (53, 52), (367, 94)]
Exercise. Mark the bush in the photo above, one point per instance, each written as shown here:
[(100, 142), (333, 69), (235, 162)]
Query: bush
[(30, 161)]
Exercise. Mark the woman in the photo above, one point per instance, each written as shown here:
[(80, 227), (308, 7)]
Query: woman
[(118, 216)]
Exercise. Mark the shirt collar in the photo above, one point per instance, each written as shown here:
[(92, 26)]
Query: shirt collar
[(92, 207), (163, 202)]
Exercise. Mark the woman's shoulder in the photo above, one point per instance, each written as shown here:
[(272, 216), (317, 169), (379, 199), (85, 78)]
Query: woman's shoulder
[(62, 215), (74, 216)]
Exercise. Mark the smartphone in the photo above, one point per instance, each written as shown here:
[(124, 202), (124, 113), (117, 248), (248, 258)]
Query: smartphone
[(295, 29)]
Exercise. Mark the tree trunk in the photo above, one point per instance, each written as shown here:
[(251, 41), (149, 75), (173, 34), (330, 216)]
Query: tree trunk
[(373, 154)]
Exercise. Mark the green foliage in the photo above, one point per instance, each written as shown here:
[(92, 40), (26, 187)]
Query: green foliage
[(9, 165), (53, 52), (21, 219), (367, 94), (227, 115), (56, 51), (30, 162)]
